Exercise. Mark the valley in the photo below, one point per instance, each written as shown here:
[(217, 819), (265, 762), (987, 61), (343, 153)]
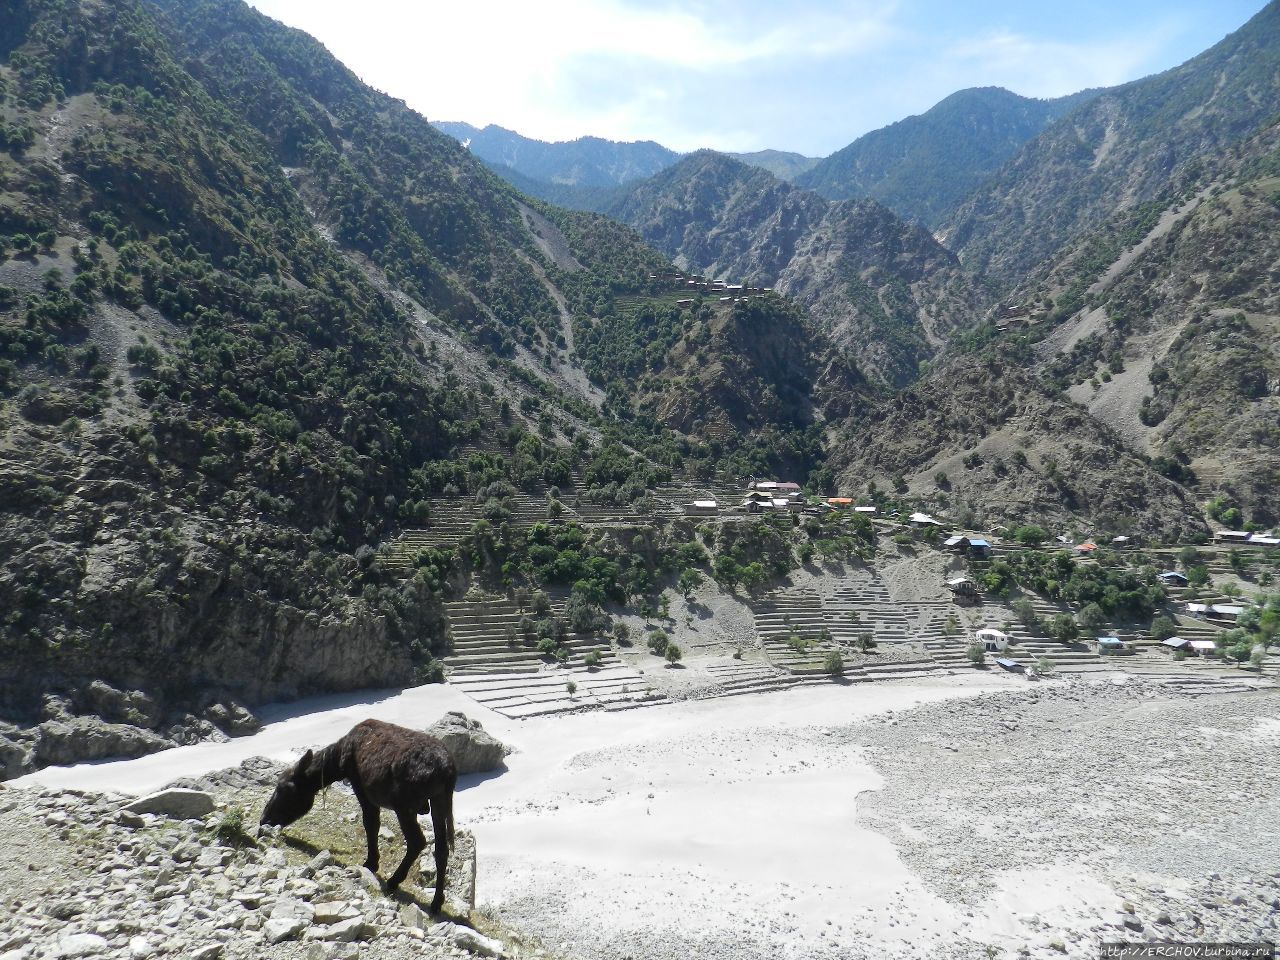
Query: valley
[(871, 554)]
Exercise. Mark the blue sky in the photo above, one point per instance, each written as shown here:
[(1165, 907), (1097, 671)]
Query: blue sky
[(807, 76)]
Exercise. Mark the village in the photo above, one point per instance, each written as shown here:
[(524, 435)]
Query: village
[(717, 290)]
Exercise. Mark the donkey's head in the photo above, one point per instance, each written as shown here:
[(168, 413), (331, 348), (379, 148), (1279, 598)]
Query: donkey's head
[(294, 794)]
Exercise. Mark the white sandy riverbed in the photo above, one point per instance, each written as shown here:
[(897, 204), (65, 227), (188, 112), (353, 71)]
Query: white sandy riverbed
[(717, 827)]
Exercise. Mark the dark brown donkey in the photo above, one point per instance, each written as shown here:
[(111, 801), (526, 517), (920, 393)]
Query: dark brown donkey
[(387, 766)]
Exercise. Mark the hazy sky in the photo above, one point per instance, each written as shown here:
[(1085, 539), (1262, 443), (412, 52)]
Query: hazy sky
[(809, 75)]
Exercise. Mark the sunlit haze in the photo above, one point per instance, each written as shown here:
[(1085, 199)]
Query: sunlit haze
[(808, 77)]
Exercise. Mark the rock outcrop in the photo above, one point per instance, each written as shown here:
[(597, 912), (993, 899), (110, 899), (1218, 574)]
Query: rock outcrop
[(474, 750)]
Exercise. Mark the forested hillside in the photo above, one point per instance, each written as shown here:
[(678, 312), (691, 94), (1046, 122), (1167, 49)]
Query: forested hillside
[(1120, 150), (884, 289), (923, 166), (250, 312)]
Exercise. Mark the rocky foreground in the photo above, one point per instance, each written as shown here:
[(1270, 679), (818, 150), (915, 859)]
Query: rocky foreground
[(185, 873)]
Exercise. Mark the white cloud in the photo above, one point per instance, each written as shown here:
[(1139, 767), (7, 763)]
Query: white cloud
[(732, 74), (1048, 68), (522, 64)]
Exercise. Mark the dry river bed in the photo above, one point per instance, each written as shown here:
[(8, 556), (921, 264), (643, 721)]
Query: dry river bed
[(969, 816)]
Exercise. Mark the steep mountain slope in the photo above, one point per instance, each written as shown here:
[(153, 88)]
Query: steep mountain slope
[(923, 166), (1164, 324), (585, 162), (881, 287), (1121, 149), (988, 442), (251, 314), (1152, 347)]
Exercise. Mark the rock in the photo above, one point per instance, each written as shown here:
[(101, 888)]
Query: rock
[(90, 738), (411, 915), (321, 860), (191, 729), (368, 879), (15, 759), (290, 908), (210, 951), (477, 943), (129, 819), (254, 772), (117, 706), (177, 803), (140, 948), (232, 718), (332, 951), (473, 750), (1133, 923), (334, 911), (343, 932), (80, 945), (279, 929)]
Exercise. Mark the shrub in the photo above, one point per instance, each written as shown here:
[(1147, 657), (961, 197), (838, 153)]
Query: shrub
[(866, 642), (1063, 628), (1031, 535), (673, 653), (977, 654), (1257, 656), (833, 663), (592, 660), (1092, 617), (230, 828), (1044, 666), (658, 642), (1162, 627), (1024, 611), (571, 687)]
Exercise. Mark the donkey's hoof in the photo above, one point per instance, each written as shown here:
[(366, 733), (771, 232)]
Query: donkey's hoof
[(437, 904)]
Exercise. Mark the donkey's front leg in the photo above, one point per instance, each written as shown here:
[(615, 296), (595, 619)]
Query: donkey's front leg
[(372, 819)]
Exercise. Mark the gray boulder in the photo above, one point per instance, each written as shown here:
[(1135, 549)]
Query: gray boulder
[(15, 758), (473, 750), (90, 738), (120, 706), (178, 803), (253, 772)]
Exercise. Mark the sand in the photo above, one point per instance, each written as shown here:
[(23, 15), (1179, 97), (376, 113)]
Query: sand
[(724, 823)]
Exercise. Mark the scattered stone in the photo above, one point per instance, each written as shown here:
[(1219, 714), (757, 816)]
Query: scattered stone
[(344, 931), (81, 945), (279, 929), (175, 802)]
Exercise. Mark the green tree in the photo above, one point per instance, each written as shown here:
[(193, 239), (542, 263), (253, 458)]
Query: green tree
[(833, 663)]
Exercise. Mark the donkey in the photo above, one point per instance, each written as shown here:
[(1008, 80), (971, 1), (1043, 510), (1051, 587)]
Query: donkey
[(387, 766)]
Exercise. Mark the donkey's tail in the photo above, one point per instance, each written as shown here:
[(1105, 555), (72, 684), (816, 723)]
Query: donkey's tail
[(448, 816)]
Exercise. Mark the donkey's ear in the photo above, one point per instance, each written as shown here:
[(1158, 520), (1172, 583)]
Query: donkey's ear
[(305, 761)]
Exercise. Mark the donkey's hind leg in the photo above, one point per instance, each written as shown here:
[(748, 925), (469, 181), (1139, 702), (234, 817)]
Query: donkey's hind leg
[(414, 843), (372, 817), (442, 827)]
